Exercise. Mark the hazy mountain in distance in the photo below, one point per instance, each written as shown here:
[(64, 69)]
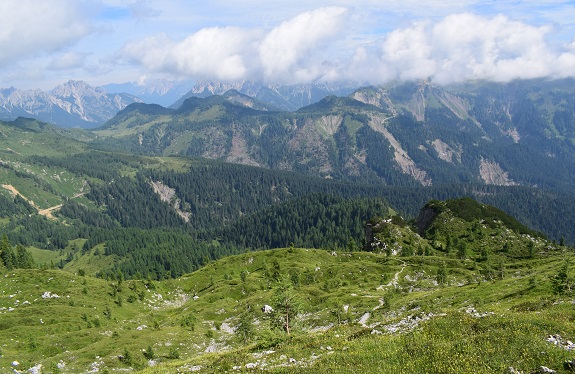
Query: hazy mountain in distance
[(162, 92), (283, 97), (72, 104)]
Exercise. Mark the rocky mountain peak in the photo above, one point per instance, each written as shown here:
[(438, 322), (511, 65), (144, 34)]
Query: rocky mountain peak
[(76, 88), (72, 104)]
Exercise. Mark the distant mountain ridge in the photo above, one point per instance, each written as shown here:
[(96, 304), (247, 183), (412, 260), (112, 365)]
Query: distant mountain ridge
[(161, 91), (77, 104), (281, 97), (414, 133), (72, 104)]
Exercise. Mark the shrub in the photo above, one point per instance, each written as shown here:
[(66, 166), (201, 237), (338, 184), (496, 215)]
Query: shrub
[(149, 353)]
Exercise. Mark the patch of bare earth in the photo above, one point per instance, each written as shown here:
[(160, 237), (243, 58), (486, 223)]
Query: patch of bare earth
[(330, 124), (492, 173), (239, 152), (514, 134), (379, 99), (405, 162), (456, 104), (168, 195), (417, 104), (445, 152)]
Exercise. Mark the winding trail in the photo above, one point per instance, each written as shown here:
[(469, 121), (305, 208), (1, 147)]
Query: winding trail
[(44, 212), (366, 316), (395, 279)]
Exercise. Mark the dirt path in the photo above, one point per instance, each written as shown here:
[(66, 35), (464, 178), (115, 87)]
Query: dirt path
[(44, 212), (395, 278), (48, 212)]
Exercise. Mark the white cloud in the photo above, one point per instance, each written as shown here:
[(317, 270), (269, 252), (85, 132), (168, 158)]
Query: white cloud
[(456, 48), (68, 60), (292, 51), (289, 52), (31, 28), (466, 46), (285, 42), (219, 53)]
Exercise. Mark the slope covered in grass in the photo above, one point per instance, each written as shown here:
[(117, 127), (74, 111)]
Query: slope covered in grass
[(357, 311)]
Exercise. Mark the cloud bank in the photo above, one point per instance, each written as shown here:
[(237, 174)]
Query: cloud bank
[(31, 28), (456, 48), (290, 52)]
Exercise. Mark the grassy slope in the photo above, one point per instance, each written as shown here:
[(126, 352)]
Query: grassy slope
[(414, 324), (49, 186), (46, 187)]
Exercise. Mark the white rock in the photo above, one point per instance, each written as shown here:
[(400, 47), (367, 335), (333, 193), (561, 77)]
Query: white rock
[(364, 318), (50, 295), (35, 369)]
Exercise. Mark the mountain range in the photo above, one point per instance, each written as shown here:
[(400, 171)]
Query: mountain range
[(162, 92), (520, 133), (277, 97), (77, 104), (73, 104)]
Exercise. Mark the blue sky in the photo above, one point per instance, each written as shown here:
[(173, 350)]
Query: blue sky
[(45, 43)]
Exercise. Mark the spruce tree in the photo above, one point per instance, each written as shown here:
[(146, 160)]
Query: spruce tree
[(286, 305)]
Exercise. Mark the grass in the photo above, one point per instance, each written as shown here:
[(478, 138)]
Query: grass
[(21, 141), (468, 325)]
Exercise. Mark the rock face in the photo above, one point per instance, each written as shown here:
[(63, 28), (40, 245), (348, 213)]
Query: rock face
[(73, 104), (492, 173), (425, 218)]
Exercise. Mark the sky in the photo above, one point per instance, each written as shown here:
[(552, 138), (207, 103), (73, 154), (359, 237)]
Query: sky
[(44, 43)]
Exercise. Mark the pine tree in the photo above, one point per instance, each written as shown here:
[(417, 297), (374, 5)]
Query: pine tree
[(149, 353), (286, 305), (7, 253), (561, 282), (24, 259), (245, 328), (441, 276)]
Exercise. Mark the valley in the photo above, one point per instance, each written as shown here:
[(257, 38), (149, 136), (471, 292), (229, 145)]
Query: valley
[(403, 228)]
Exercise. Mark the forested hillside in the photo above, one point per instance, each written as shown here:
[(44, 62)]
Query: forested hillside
[(158, 217), (408, 134), (117, 199)]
